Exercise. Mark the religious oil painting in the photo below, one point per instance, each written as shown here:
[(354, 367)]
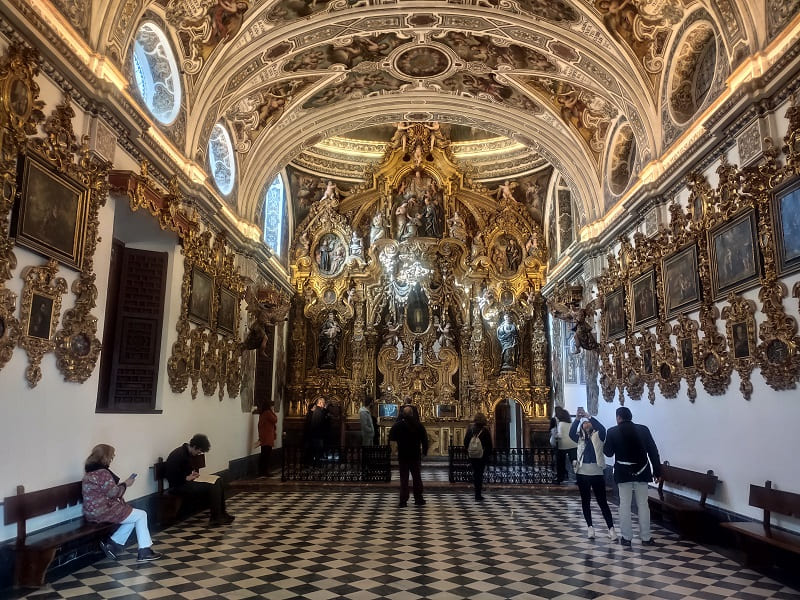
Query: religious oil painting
[(226, 316), (643, 292), (615, 313), (740, 341), (52, 212), (200, 298), (330, 254), (786, 211), (387, 410), (446, 411), (734, 257), (681, 285), (40, 321)]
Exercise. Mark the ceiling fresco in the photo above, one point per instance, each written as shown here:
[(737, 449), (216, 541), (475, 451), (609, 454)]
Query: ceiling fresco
[(557, 76)]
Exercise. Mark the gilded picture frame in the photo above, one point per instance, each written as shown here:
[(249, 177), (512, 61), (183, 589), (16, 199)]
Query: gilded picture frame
[(47, 197), (644, 304), (786, 225), (735, 260), (681, 282), (201, 297)]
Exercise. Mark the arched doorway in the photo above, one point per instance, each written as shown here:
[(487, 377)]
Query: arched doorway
[(508, 432)]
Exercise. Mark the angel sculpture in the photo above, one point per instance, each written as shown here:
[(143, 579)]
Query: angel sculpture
[(267, 307), (581, 325)]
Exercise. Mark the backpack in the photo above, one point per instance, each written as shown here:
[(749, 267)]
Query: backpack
[(475, 447)]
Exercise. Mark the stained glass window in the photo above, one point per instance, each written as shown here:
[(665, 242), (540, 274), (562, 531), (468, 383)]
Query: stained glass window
[(221, 159), (275, 216), (156, 73)]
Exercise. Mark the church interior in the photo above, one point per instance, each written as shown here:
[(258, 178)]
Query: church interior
[(209, 208)]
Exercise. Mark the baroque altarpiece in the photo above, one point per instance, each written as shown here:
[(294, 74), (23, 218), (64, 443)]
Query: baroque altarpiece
[(420, 283)]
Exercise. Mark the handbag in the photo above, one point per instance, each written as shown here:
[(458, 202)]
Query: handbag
[(554, 436)]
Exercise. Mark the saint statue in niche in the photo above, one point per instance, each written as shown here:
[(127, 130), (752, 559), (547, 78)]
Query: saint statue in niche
[(508, 336), (356, 245), (377, 229), (330, 254), (329, 335)]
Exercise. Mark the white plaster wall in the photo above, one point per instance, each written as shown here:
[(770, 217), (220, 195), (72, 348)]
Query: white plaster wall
[(48, 431)]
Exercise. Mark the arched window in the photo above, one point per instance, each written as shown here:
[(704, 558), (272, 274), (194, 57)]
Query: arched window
[(156, 73), (221, 159), (275, 216)]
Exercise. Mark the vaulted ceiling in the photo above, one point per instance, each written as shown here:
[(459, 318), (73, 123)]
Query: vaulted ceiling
[(597, 88)]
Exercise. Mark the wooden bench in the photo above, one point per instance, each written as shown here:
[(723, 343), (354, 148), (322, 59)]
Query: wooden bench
[(687, 514), (169, 505), (35, 552), (755, 538)]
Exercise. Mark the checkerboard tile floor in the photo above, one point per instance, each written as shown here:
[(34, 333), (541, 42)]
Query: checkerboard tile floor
[(356, 544)]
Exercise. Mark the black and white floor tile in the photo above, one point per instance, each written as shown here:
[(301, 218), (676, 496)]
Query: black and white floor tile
[(325, 544)]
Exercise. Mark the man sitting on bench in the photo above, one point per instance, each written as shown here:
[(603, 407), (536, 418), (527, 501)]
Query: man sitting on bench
[(186, 481)]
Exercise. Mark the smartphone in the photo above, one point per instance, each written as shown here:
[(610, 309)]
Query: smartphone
[(580, 410)]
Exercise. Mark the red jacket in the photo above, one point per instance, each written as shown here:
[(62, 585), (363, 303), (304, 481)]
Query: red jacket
[(267, 424), (102, 498)]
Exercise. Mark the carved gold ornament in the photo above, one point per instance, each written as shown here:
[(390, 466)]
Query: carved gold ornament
[(41, 307), (20, 112), (740, 328)]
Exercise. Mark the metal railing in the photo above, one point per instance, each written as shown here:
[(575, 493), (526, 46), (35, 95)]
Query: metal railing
[(369, 463), (507, 466)]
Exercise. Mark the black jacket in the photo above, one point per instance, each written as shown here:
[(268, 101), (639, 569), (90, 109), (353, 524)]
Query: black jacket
[(178, 466), (410, 436), (632, 443)]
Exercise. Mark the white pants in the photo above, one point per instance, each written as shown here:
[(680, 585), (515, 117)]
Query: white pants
[(137, 519), (638, 489)]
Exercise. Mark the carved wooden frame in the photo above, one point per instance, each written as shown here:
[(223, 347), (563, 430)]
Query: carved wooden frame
[(741, 312), (685, 331)]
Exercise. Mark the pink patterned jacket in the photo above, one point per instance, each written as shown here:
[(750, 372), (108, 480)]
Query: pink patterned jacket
[(102, 497)]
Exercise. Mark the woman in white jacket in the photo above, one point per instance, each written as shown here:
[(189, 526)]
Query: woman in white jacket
[(590, 436)]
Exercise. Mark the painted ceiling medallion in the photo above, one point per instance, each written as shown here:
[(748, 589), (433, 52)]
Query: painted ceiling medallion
[(422, 62)]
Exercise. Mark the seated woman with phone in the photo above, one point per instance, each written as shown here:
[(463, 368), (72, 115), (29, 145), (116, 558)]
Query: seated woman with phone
[(103, 503)]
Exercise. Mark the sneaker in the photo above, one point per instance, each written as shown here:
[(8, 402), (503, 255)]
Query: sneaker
[(111, 549), (624, 542), (650, 542), (147, 555), (612, 534), (590, 532)]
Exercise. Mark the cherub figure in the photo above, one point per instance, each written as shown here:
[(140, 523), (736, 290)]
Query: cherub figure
[(457, 227), (506, 191), (331, 191)]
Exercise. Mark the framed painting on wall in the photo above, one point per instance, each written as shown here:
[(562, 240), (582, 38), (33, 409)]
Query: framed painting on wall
[(228, 309), (786, 217), (643, 293), (735, 262), (614, 313), (681, 284), (50, 217), (200, 297)]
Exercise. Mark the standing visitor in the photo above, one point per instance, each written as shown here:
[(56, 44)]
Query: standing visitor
[(590, 435), (267, 427), (567, 450), (636, 462), (478, 429), (412, 445)]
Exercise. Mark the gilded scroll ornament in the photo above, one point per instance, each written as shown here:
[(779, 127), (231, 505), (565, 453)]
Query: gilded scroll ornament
[(41, 308), (667, 374), (647, 353)]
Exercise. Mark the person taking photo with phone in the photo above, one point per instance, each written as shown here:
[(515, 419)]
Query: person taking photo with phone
[(103, 503), (590, 435)]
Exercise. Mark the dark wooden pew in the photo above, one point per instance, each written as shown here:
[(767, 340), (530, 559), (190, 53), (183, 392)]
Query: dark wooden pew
[(35, 552), (687, 514), (759, 540)]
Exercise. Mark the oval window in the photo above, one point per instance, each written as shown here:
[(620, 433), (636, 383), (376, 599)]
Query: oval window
[(156, 73), (221, 160)]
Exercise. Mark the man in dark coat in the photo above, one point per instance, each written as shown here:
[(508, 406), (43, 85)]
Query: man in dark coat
[(412, 445), (182, 477), (636, 463)]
